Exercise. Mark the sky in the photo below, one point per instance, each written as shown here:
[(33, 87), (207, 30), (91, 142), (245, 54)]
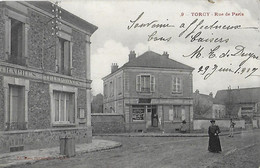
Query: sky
[(227, 52)]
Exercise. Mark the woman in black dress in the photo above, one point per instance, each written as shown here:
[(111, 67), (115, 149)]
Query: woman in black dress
[(214, 142)]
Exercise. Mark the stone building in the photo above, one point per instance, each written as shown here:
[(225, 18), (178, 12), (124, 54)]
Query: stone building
[(44, 75), (151, 91)]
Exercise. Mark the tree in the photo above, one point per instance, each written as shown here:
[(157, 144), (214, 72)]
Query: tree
[(97, 104)]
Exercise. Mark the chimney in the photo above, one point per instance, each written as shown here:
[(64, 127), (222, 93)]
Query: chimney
[(114, 67), (132, 55), (165, 54)]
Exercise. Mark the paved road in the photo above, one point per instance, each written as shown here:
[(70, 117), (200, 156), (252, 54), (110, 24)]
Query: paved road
[(166, 152)]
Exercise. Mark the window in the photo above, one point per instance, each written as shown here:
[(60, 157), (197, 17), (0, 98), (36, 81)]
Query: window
[(64, 107), (105, 91), (145, 83), (176, 85), (16, 108), (15, 103), (177, 113), (138, 113), (119, 85), (17, 42), (64, 57), (111, 89)]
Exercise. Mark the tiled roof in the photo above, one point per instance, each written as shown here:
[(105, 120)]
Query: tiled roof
[(243, 95), (154, 60)]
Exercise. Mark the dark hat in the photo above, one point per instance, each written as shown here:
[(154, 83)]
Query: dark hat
[(212, 120)]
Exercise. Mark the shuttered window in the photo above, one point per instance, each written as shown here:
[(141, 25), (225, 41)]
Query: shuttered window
[(176, 85), (64, 57), (16, 108), (145, 83)]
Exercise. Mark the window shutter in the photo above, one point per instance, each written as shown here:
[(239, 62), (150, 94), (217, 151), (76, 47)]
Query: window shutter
[(152, 84), (7, 38), (70, 60), (66, 57), (174, 84), (138, 83), (58, 55)]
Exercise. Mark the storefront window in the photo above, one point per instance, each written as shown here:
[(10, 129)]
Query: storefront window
[(138, 113)]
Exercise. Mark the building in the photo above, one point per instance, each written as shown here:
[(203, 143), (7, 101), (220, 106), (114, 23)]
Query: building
[(151, 91), (241, 103), (202, 105), (44, 75), (207, 107)]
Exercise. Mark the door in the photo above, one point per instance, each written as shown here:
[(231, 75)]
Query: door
[(154, 117)]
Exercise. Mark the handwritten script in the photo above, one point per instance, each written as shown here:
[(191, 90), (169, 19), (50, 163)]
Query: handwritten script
[(198, 31), (194, 32)]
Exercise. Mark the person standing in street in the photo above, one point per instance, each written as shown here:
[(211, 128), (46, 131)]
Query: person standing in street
[(214, 142), (231, 128)]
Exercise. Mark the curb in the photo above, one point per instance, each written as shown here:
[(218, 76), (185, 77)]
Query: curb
[(162, 135), (100, 149)]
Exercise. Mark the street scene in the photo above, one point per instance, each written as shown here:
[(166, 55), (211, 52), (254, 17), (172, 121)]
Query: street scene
[(129, 84), (241, 151)]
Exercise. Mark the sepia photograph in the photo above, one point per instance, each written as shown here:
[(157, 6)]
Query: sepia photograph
[(130, 84)]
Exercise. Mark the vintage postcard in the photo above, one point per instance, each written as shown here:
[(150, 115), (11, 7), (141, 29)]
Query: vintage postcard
[(131, 83)]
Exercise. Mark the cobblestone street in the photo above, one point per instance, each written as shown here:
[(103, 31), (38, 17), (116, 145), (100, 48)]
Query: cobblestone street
[(167, 152)]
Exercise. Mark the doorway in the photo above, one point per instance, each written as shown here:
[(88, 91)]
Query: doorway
[(154, 116)]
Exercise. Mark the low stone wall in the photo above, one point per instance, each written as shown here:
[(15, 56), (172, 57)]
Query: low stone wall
[(136, 126), (107, 123), (172, 127), (204, 124), (42, 138)]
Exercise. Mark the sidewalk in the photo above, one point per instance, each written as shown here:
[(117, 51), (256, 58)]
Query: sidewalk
[(31, 156), (161, 134)]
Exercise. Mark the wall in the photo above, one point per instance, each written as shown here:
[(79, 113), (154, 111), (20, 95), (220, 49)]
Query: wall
[(40, 72), (2, 113), (39, 115), (204, 124), (36, 139), (2, 33), (114, 99), (162, 89), (107, 123)]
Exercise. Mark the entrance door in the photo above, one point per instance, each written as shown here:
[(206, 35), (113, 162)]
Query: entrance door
[(154, 117)]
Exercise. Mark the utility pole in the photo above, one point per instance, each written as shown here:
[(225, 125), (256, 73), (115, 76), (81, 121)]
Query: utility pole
[(56, 27)]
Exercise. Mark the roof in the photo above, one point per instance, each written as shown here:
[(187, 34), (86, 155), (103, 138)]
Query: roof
[(67, 16), (154, 60), (151, 59), (243, 95)]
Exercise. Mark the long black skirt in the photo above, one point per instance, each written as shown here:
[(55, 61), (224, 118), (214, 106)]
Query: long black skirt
[(214, 144)]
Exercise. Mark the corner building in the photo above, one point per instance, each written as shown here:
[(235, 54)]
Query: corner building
[(151, 91), (44, 76)]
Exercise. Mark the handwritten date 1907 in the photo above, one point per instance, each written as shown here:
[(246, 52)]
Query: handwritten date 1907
[(207, 71)]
